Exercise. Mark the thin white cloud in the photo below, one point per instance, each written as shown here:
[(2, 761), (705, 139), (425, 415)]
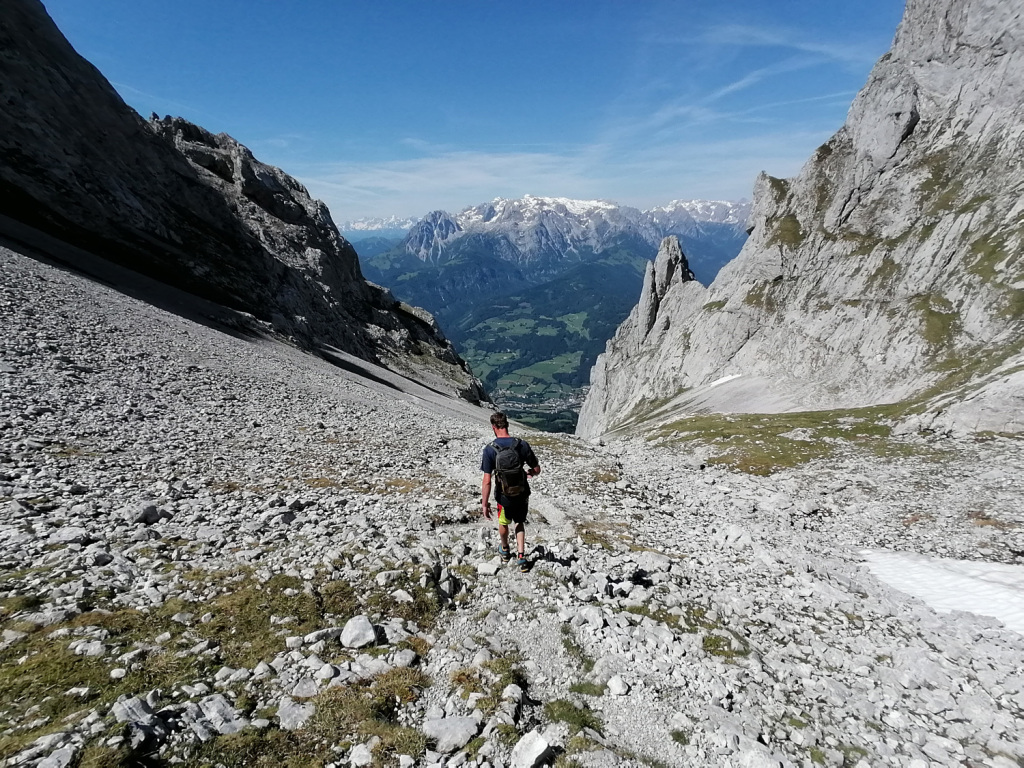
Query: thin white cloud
[(153, 103), (669, 132), (739, 35), (643, 177)]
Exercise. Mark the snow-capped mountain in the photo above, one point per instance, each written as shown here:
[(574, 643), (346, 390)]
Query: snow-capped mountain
[(556, 227), (374, 223), (552, 229), (678, 213)]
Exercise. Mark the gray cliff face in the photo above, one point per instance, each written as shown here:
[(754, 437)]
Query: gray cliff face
[(642, 341), (195, 210), (888, 270)]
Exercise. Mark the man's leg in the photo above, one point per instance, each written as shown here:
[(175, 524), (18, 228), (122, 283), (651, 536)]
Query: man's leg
[(503, 535), (520, 538)]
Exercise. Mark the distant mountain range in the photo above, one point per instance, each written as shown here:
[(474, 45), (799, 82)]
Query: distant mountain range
[(373, 224), (530, 289), (560, 229)]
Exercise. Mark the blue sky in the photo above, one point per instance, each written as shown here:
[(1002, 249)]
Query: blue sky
[(406, 106)]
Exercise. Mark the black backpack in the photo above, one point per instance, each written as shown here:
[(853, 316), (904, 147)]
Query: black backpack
[(508, 469)]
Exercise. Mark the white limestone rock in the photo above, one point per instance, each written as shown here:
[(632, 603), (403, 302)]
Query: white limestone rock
[(890, 259), (292, 715), (530, 751), (450, 733), (358, 633)]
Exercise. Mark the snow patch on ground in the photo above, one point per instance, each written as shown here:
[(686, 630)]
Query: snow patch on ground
[(988, 589)]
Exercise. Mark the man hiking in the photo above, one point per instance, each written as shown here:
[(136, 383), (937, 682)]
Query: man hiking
[(505, 459)]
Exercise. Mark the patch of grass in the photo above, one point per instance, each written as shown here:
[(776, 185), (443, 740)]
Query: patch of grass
[(369, 709), (644, 409), (241, 616), (982, 520), (786, 232), (322, 482), (418, 644), (940, 323), (681, 737), (764, 295), (762, 444), (576, 717), (885, 274), (99, 756), (576, 653), (598, 534), (722, 647), (852, 753), (343, 715), (18, 604), (467, 679), (657, 614), (36, 671), (424, 608), (264, 748), (714, 306), (605, 476), (506, 668), (817, 756), (588, 689), (576, 323), (474, 746), (506, 734), (780, 187)]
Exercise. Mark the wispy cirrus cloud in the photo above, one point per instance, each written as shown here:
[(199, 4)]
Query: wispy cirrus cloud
[(744, 36), (448, 179), (643, 176), (694, 125), (148, 102)]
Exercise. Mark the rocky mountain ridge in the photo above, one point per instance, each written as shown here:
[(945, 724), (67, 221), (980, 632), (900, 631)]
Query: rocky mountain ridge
[(888, 271), (191, 209), (540, 230), (372, 223)]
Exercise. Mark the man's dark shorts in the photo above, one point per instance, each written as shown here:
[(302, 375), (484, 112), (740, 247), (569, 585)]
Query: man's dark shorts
[(514, 512)]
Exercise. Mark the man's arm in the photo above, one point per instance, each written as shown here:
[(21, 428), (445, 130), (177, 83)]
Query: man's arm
[(531, 460), (485, 495)]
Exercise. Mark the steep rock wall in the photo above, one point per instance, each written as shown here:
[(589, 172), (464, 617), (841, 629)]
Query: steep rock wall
[(172, 201), (889, 268)]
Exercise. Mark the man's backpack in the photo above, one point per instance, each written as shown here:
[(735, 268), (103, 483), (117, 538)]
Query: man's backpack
[(508, 468)]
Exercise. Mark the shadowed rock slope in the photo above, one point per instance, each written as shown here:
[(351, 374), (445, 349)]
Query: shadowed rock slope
[(889, 270), (194, 210)]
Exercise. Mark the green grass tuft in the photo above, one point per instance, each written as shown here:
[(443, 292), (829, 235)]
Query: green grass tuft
[(576, 717)]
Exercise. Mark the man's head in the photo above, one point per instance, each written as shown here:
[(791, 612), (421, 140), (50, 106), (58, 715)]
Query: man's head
[(499, 420)]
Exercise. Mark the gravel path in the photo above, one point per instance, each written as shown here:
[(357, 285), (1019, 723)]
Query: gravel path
[(213, 548)]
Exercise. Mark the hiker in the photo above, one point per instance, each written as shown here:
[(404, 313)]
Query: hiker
[(505, 459)]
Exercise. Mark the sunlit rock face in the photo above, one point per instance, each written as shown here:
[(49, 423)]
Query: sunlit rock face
[(889, 269), (195, 210)]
